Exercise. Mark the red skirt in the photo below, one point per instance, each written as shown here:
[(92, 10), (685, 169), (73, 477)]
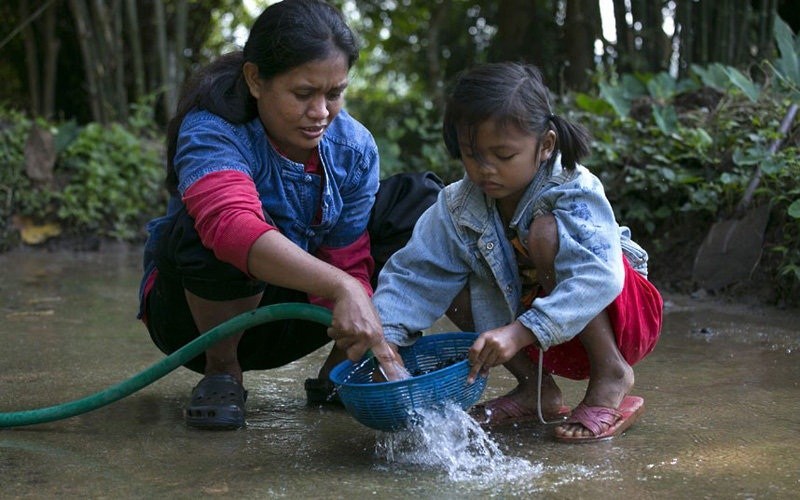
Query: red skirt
[(636, 317)]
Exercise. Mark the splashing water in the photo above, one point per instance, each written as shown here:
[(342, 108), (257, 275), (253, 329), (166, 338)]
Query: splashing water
[(448, 438)]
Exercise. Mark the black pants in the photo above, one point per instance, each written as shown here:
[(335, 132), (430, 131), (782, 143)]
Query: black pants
[(185, 264)]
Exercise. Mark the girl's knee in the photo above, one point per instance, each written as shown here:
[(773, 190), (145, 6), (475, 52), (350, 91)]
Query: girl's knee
[(543, 240)]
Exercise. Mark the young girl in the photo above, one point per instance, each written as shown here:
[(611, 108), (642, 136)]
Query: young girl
[(552, 281)]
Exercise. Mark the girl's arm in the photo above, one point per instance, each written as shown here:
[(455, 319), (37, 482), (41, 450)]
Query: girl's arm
[(420, 280), (588, 265)]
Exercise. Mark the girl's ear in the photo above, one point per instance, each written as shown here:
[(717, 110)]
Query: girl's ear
[(251, 77), (547, 144)]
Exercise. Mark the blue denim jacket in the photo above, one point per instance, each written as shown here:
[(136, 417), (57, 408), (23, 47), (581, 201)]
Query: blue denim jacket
[(460, 241), (208, 143)]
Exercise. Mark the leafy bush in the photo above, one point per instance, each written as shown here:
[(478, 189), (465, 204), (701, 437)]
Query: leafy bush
[(14, 129), (107, 181), (114, 178)]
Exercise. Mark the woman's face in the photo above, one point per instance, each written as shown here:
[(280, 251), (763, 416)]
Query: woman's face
[(296, 107)]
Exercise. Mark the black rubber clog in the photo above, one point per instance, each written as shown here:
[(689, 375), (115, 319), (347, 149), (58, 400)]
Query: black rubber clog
[(217, 403)]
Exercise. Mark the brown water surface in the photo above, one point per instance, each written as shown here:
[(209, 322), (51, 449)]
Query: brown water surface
[(722, 393)]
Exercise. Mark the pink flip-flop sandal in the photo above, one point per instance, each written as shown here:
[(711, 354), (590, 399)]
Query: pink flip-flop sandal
[(504, 410), (604, 423)]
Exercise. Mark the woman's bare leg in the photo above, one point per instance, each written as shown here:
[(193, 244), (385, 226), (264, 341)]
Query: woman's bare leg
[(221, 357)]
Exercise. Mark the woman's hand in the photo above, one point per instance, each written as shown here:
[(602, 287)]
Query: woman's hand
[(390, 364), (356, 326), (495, 347)]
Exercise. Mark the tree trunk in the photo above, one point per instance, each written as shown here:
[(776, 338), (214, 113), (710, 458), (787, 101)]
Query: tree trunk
[(582, 24), (135, 49), (163, 57), (108, 64), (80, 14), (433, 49), (120, 91), (626, 49), (179, 70), (31, 60), (684, 30), (52, 45), (515, 19)]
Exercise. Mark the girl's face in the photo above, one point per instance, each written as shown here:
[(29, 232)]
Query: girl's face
[(505, 159), (296, 107)]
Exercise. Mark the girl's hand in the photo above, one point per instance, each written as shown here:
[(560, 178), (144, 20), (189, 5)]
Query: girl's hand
[(495, 347)]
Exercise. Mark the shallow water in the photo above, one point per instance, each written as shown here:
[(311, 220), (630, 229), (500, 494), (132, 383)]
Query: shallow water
[(721, 389)]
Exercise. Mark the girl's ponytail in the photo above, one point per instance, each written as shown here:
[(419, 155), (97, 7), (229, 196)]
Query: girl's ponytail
[(572, 141)]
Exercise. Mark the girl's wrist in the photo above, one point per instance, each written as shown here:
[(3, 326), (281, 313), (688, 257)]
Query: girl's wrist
[(525, 336)]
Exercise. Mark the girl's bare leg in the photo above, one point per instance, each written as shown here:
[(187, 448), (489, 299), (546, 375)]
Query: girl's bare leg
[(610, 376), (526, 393)]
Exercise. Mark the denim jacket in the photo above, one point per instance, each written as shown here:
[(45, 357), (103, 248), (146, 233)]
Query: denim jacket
[(208, 143), (460, 241)]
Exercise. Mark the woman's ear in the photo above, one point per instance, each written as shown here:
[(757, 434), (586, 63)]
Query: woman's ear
[(547, 145), (251, 77)]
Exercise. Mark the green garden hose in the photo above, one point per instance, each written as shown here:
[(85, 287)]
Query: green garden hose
[(116, 392)]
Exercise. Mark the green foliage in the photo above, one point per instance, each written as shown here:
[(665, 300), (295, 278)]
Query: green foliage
[(787, 66), (107, 180), (408, 132), (114, 177), (14, 129), (670, 152)]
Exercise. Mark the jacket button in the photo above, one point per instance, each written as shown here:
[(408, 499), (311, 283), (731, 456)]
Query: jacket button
[(308, 178), (489, 245)]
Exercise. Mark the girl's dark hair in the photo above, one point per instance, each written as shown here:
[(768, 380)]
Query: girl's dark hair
[(286, 35), (513, 94)]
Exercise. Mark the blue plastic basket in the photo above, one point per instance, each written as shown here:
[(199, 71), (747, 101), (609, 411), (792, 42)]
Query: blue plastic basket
[(390, 406)]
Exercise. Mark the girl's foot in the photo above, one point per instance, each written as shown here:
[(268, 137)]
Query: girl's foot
[(520, 404), (606, 389)]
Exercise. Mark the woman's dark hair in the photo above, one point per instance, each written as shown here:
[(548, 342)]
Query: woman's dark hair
[(513, 94), (286, 35)]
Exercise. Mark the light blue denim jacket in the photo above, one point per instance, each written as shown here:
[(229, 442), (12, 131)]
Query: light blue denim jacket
[(208, 143), (460, 241)]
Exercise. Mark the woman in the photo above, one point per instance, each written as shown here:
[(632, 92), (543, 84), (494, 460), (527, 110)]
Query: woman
[(272, 187)]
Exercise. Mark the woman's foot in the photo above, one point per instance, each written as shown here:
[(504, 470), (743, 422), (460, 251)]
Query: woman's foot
[(321, 390)]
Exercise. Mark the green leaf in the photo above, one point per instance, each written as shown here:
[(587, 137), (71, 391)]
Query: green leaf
[(713, 76), (794, 209), (788, 62), (615, 96), (592, 104), (747, 86), (666, 119), (746, 158), (662, 87), (772, 165)]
